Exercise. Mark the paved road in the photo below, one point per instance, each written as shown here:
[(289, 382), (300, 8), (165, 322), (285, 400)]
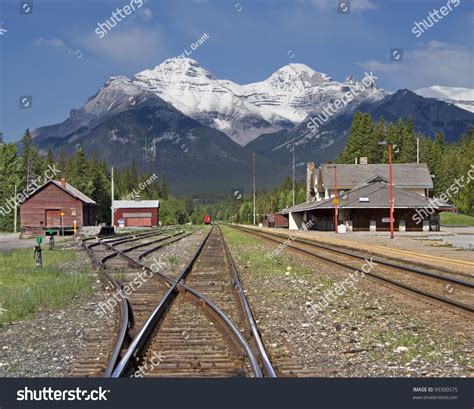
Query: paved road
[(11, 241)]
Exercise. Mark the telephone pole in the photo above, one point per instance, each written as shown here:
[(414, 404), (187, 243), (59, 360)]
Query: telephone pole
[(293, 173), (254, 203), (15, 214), (112, 197)]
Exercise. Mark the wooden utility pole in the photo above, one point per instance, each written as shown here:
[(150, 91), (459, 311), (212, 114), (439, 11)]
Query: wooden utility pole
[(336, 199), (112, 197), (293, 173), (15, 214), (254, 204), (391, 190)]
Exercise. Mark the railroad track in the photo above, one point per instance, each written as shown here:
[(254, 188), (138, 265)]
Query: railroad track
[(202, 325), (117, 257), (436, 287)]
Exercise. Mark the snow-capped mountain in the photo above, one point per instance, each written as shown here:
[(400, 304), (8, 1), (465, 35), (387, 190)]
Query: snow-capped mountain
[(430, 116), (244, 112), (194, 126), (461, 97), (155, 135)]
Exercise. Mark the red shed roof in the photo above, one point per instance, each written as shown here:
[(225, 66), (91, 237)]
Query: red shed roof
[(68, 189)]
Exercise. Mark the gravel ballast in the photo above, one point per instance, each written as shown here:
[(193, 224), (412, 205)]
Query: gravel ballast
[(368, 331)]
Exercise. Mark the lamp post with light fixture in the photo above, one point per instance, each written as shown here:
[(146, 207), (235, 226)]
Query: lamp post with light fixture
[(383, 143), (336, 199)]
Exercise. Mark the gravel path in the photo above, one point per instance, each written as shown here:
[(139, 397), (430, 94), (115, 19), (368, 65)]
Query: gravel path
[(368, 331), (47, 344)]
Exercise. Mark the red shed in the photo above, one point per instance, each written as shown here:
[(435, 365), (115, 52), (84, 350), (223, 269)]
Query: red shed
[(55, 199), (275, 220), (136, 213)]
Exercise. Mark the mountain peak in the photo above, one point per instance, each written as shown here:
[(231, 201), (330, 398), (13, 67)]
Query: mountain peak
[(180, 61), (297, 68), (174, 67), (461, 97), (298, 72)]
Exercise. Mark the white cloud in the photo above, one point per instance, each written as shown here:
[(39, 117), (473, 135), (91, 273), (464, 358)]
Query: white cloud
[(355, 5), (125, 43), (432, 63), (145, 14), (53, 43)]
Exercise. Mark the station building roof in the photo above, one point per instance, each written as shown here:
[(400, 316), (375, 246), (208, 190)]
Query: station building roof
[(67, 187), (136, 204), (405, 175), (73, 191), (373, 196)]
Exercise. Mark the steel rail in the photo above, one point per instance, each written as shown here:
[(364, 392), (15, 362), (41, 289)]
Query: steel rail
[(130, 237), (430, 296), (248, 313), (126, 316), (117, 252), (143, 337), (126, 320), (412, 269), (148, 327)]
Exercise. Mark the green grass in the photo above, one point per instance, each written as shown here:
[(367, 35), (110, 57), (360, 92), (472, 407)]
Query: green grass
[(456, 219), (253, 254), (420, 344), (24, 290)]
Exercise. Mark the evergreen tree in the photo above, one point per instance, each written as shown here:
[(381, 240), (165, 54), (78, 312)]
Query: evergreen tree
[(29, 160), (354, 144), (50, 157), (374, 150), (408, 143), (165, 188), (11, 171)]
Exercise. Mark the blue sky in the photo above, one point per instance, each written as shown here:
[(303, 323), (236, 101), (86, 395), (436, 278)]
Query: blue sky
[(54, 55)]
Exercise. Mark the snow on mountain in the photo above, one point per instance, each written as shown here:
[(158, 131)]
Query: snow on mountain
[(194, 91), (244, 112), (461, 97)]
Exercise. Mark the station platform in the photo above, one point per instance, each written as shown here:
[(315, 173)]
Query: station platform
[(429, 249)]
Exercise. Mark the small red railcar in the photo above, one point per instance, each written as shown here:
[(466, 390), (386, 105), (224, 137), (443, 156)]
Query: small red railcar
[(207, 219)]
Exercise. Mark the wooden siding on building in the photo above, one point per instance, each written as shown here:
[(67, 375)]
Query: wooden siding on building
[(43, 207), (150, 214)]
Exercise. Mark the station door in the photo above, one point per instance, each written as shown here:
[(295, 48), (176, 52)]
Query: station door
[(138, 221), (53, 218)]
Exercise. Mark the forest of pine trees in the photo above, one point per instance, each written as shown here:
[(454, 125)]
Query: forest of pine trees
[(90, 176), (446, 161)]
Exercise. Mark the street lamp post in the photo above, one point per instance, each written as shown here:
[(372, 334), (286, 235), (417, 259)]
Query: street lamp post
[(336, 199), (293, 173), (383, 143)]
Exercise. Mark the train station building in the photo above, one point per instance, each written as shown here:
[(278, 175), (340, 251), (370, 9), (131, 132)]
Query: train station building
[(56, 205), (363, 198)]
